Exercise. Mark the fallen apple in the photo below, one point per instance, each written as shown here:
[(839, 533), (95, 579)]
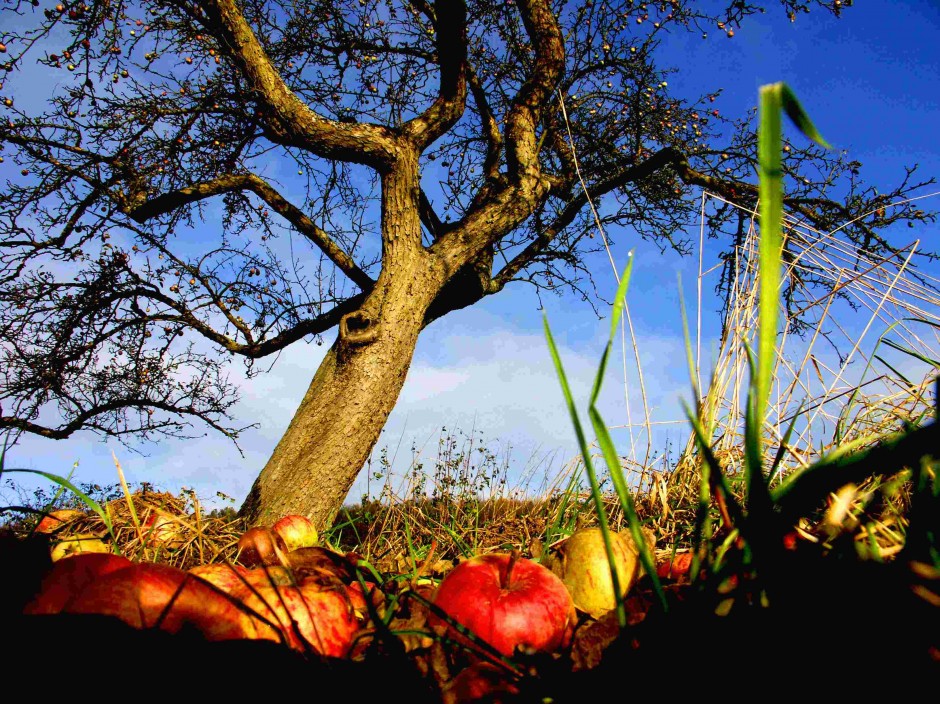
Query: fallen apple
[(296, 532), (54, 520), (160, 531), (308, 616), (68, 578), (77, 545), (507, 601), (229, 578), (148, 595), (677, 567), (583, 567), (262, 546), (267, 576)]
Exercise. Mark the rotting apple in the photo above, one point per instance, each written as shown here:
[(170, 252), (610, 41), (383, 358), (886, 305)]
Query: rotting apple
[(148, 595), (262, 546), (584, 568), (68, 578), (78, 544), (321, 563), (678, 567), (229, 578), (54, 520), (158, 530), (308, 615), (508, 601), (296, 531)]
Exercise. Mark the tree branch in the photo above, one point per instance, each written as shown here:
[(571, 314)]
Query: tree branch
[(289, 120), (168, 202), (450, 19), (524, 115)]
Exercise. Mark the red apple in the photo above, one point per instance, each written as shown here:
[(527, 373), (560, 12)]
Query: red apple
[(481, 681), (262, 546), (54, 520), (270, 576), (68, 578), (507, 601), (307, 615), (296, 531), (229, 578), (148, 595), (160, 531), (676, 568)]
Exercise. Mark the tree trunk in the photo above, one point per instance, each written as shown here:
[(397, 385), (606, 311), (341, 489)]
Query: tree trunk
[(359, 381), (341, 415)]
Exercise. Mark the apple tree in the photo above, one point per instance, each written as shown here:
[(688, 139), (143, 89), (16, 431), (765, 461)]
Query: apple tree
[(190, 182)]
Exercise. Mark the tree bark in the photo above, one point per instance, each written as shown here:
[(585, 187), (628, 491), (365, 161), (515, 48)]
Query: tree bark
[(359, 381), (339, 421)]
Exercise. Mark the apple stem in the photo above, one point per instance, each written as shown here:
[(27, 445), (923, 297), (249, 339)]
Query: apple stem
[(513, 556)]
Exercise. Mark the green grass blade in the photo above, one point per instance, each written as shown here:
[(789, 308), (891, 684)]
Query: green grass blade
[(87, 500), (589, 468), (758, 496), (626, 502), (782, 448), (799, 116), (617, 310), (912, 353), (774, 99), (770, 171), (716, 477)]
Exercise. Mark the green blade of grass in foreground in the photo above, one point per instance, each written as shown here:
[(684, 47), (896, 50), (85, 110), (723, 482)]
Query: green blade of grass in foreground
[(63, 482), (775, 99), (607, 445), (610, 455), (589, 467)]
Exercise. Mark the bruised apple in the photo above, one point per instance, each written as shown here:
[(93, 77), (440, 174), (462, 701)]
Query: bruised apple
[(507, 601), (262, 546), (296, 531), (54, 520), (148, 595), (81, 543), (585, 570), (308, 616), (68, 578)]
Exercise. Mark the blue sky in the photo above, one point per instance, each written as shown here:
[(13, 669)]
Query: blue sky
[(870, 82)]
